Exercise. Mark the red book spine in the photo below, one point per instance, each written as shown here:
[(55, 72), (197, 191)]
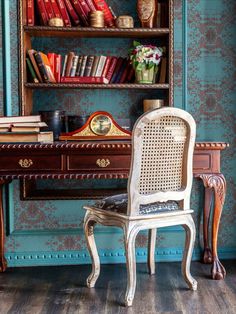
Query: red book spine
[(30, 12), (55, 8), (102, 6), (72, 12), (42, 12), (58, 68), (51, 59), (84, 80), (91, 5), (49, 9), (106, 66), (111, 68), (79, 9), (64, 13), (85, 7)]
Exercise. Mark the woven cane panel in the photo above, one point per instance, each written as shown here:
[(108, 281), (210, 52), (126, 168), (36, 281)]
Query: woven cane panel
[(162, 155)]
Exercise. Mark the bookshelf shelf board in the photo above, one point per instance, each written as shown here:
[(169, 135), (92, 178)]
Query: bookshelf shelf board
[(95, 86), (47, 31)]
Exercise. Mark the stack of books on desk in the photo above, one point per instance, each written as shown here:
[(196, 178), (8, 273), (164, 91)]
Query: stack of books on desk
[(24, 129)]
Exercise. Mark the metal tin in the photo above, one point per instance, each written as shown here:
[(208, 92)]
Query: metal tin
[(124, 21)]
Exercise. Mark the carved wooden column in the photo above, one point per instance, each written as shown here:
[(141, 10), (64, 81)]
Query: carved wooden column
[(216, 183), (3, 262)]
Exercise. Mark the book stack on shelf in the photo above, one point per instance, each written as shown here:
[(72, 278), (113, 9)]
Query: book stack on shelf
[(78, 68), (24, 129), (71, 12)]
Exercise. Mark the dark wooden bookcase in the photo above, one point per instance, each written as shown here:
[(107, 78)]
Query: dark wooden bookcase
[(27, 33)]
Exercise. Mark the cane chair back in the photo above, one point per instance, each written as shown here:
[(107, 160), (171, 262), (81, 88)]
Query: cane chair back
[(161, 166)]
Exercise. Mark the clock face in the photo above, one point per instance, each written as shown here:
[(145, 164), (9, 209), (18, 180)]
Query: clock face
[(100, 124)]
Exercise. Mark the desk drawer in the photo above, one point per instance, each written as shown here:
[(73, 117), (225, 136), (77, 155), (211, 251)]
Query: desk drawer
[(98, 162), (202, 161), (30, 162)]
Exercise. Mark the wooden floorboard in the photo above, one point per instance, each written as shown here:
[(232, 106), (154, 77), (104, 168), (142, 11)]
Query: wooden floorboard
[(59, 290)]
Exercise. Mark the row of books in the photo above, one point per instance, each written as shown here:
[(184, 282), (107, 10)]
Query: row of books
[(24, 129), (72, 12), (48, 68)]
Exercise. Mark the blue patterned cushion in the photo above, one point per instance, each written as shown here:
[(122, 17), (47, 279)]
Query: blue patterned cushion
[(118, 203)]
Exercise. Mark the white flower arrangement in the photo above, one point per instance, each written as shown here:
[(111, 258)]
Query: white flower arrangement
[(145, 56)]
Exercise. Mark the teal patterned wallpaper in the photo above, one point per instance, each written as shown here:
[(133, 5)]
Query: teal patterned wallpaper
[(51, 232)]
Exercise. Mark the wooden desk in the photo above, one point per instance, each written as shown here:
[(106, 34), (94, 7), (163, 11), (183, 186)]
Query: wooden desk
[(109, 160)]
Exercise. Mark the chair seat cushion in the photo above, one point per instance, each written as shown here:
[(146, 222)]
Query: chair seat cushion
[(118, 203)]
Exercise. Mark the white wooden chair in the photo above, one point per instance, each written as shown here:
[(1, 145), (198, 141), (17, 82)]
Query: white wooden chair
[(159, 190)]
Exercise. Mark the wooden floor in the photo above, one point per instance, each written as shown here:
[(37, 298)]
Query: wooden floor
[(50, 290)]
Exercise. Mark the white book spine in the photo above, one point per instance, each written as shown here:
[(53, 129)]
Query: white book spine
[(101, 64)]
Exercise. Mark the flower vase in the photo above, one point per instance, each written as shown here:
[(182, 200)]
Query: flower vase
[(146, 76)]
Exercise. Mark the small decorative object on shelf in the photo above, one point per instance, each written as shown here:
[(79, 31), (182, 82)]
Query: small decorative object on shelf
[(150, 104), (96, 19), (124, 21), (56, 21), (146, 12), (145, 60)]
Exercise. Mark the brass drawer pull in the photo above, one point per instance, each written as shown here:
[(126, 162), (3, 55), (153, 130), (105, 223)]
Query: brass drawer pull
[(103, 163), (25, 163)]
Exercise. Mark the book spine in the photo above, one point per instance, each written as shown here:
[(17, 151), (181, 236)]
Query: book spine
[(31, 71), (69, 63), (121, 70), (85, 80), (88, 66), (130, 74), (79, 9), (117, 69), (111, 68), (125, 73), (94, 66), (51, 59), (64, 66), (163, 67), (49, 9), (79, 65), (85, 7), (82, 69), (108, 17), (30, 13), (91, 5), (101, 65), (58, 68), (64, 13), (74, 65), (42, 12), (15, 119), (48, 67), (72, 12), (106, 66), (41, 67), (34, 63), (55, 8)]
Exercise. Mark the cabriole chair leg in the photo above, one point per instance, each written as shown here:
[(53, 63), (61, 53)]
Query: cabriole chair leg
[(152, 233), (89, 235), (188, 251)]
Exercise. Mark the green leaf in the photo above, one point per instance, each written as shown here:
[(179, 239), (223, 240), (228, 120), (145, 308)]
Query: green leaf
[(136, 43)]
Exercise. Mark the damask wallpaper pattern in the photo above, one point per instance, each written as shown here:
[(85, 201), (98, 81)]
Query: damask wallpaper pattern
[(40, 231)]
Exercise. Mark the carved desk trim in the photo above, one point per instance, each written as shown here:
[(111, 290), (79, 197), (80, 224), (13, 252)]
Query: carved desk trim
[(110, 160)]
